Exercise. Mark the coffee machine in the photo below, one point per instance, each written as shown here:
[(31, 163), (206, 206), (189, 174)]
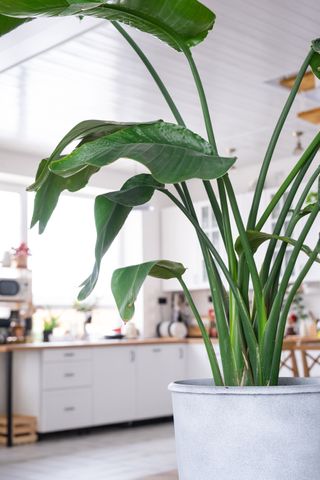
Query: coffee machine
[(15, 304)]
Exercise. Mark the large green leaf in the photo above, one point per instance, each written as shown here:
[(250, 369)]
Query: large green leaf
[(36, 8), (87, 131), (127, 282), (50, 188), (256, 239), (137, 192), (111, 211), (316, 45), (172, 153), (315, 59), (7, 23), (172, 21)]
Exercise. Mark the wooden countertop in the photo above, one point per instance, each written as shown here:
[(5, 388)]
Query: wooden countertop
[(289, 342), (13, 347)]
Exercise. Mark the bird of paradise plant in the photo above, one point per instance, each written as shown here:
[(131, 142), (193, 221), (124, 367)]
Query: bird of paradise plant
[(250, 333)]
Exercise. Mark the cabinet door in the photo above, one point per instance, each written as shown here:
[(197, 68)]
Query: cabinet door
[(198, 365), (65, 409), (113, 384), (180, 244), (209, 225), (157, 366)]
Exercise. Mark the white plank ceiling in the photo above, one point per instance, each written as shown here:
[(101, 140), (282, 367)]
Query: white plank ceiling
[(96, 75)]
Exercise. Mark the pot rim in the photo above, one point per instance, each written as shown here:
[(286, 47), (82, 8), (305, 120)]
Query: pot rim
[(287, 386)]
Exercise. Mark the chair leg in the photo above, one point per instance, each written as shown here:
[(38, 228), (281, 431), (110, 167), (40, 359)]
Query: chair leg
[(295, 370), (306, 371)]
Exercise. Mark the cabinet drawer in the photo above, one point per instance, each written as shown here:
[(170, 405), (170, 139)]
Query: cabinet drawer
[(66, 355), (66, 409), (66, 375)]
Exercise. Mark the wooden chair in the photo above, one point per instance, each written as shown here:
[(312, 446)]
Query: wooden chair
[(310, 355), (289, 360)]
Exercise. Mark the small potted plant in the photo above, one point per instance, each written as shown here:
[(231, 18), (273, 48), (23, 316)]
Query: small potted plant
[(21, 255), (243, 423), (50, 324)]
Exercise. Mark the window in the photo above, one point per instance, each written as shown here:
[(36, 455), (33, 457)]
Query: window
[(10, 219), (63, 256)]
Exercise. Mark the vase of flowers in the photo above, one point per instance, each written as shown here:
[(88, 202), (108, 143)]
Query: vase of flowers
[(21, 255)]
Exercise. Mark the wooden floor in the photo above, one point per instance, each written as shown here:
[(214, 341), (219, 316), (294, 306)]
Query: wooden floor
[(137, 453)]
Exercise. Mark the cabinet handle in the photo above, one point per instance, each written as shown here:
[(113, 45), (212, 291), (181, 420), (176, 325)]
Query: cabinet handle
[(181, 353), (69, 375), (132, 356), (69, 354), (69, 409), (156, 350)]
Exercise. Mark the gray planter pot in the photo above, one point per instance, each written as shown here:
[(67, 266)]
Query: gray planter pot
[(247, 433)]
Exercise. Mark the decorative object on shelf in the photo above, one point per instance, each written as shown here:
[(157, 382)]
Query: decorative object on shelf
[(292, 328), (21, 255), (298, 149), (245, 410), (130, 330), (86, 309), (6, 260)]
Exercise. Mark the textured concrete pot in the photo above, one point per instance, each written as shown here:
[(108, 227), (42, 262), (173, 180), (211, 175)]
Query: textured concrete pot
[(247, 433)]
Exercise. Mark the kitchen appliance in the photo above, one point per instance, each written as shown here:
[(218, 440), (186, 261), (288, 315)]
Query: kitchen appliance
[(15, 285)]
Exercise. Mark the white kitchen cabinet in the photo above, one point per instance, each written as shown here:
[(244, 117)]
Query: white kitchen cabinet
[(120, 383), (157, 366), (179, 243), (198, 365), (114, 379), (210, 227), (66, 409), (66, 375), (66, 355)]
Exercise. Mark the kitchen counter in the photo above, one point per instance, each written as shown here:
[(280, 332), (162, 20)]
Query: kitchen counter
[(99, 343), (295, 341), (291, 341)]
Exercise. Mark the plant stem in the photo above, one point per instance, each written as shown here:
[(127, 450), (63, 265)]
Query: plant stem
[(268, 345), (217, 291), (171, 104), (245, 317), (207, 341), (280, 222), (309, 152), (152, 72), (259, 298), (270, 279), (282, 322), (273, 142)]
